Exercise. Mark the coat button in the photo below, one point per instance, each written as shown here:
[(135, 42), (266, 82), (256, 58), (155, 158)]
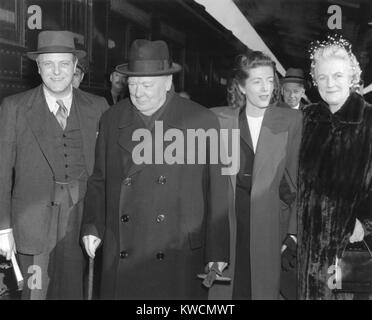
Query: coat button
[(128, 181), (160, 256), (162, 180), (160, 218), (124, 254), (124, 218)]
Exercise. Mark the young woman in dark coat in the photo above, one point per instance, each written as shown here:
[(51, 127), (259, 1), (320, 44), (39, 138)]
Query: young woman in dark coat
[(269, 144), (335, 169)]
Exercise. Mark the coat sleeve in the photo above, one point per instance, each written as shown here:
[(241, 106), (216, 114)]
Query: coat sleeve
[(217, 236), (291, 170), (7, 159), (94, 203)]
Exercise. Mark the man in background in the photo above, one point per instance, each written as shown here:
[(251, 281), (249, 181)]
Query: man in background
[(118, 89), (82, 68), (293, 87)]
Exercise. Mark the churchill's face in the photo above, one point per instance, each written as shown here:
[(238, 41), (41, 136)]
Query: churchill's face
[(148, 94), (333, 77), (57, 71)]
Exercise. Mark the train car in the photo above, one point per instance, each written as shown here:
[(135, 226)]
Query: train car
[(105, 29)]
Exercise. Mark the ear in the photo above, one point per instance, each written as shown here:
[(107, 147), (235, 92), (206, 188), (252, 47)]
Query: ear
[(75, 65), (242, 90), (168, 82)]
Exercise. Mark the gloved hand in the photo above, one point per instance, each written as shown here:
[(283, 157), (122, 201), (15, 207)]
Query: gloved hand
[(214, 271), (91, 244), (289, 254)]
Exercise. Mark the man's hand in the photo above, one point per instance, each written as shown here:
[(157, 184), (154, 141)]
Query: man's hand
[(7, 244), (358, 233), (91, 244)]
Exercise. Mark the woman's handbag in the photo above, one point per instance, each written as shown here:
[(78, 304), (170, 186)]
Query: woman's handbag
[(354, 269)]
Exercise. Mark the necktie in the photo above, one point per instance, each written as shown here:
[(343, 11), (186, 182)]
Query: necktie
[(62, 114)]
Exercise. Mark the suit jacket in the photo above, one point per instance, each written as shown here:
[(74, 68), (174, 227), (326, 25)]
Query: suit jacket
[(27, 161), (276, 157), (160, 223), (108, 96)]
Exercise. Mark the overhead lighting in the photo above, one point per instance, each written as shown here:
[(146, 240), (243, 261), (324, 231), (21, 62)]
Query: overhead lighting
[(345, 3)]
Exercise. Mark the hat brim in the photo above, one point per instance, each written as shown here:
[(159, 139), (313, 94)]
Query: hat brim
[(78, 53), (304, 82), (123, 68)]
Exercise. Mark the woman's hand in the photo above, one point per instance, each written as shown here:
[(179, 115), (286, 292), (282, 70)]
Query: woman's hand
[(358, 233)]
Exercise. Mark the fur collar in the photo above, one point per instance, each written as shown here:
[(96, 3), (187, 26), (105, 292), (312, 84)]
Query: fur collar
[(350, 113)]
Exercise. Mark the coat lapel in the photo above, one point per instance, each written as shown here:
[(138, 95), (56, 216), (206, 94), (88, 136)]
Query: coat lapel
[(87, 117), (244, 130), (172, 117), (229, 119), (129, 123), (270, 149), (37, 117)]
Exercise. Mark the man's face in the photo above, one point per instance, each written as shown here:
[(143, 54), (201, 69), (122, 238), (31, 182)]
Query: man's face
[(292, 93), (118, 80), (56, 71), (77, 78), (149, 93)]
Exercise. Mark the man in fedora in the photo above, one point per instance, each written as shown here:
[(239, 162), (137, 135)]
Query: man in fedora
[(82, 68), (47, 140), (293, 87), (160, 224), (118, 87)]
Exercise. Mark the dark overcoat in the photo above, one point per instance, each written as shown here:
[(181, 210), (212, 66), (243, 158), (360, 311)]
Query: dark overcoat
[(27, 147), (160, 223), (335, 188), (276, 157)]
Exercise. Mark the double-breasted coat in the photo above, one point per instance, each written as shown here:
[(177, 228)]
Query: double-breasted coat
[(160, 223), (276, 157)]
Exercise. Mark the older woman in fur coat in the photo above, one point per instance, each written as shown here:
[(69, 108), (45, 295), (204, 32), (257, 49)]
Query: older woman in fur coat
[(335, 169)]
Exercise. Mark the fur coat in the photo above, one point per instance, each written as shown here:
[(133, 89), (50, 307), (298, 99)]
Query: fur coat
[(335, 188)]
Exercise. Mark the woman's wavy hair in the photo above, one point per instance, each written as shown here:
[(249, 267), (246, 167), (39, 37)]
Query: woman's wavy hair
[(240, 73)]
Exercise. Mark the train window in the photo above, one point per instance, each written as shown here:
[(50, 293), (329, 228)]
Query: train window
[(98, 53), (10, 22), (118, 34)]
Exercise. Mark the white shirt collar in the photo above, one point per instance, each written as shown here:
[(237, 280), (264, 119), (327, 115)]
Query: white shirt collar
[(296, 107), (52, 101)]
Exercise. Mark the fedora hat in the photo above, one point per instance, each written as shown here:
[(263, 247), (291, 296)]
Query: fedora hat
[(56, 42), (148, 58), (295, 75)]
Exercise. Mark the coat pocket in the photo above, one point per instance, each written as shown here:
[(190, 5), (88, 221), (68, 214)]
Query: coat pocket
[(195, 240)]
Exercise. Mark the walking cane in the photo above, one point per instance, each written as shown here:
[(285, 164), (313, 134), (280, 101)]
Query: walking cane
[(90, 278)]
